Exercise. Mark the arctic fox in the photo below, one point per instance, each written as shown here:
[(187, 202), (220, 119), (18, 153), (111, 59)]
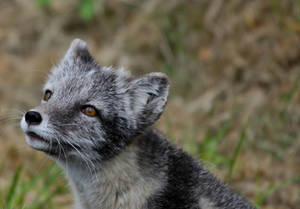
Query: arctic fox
[(95, 122)]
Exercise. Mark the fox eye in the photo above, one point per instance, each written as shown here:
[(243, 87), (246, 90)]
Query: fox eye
[(47, 95), (89, 111)]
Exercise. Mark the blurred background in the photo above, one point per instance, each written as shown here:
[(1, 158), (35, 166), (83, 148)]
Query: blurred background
[(234, 67)]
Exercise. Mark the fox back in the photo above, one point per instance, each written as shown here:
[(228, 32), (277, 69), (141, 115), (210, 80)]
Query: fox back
[(96, 123)]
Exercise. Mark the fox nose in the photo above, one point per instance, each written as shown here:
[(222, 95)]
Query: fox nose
[(33, 118)]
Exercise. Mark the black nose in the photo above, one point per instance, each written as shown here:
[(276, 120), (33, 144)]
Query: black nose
[(33, 118)]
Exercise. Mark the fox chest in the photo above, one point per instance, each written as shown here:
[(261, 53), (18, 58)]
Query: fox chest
[(117, 195)]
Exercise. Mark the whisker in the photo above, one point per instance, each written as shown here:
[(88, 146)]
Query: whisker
[(14, 123), (62, 148), (12, 111), (9, 119), (45, 159), (82, 156), (67, 125)]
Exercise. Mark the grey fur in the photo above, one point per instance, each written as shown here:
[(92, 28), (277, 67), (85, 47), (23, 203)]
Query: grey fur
[(116, 159)]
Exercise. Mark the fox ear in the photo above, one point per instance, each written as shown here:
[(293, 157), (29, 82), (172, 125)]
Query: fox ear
[(78, 53), (148, 96)]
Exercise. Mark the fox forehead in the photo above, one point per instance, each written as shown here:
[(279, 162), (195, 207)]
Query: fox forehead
[(104, 82), (61, 78)]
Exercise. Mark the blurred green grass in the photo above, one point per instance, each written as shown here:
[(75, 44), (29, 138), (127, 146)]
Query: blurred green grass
[(38, 191)]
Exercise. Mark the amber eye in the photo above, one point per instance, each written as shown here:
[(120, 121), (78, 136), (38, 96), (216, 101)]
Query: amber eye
[(89, 111), (47, 95)]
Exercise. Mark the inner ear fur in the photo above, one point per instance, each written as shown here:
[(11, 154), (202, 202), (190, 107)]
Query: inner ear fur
[(150, 95)]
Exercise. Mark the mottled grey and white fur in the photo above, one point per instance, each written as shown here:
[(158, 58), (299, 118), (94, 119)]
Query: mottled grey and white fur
[(96, 123)]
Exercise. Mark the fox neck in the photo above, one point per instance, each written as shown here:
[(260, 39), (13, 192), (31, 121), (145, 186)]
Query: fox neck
[(117, 183)]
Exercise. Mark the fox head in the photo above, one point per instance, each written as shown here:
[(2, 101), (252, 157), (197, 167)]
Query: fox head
[(90, 112)]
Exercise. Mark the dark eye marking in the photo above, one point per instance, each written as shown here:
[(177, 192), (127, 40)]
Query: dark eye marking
[(47, 95)]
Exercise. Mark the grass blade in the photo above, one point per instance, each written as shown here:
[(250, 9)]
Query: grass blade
[(272, 189), (31, 185), (1, 193), (13, 187), (236, 153), (45, 194), (212, 143)]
